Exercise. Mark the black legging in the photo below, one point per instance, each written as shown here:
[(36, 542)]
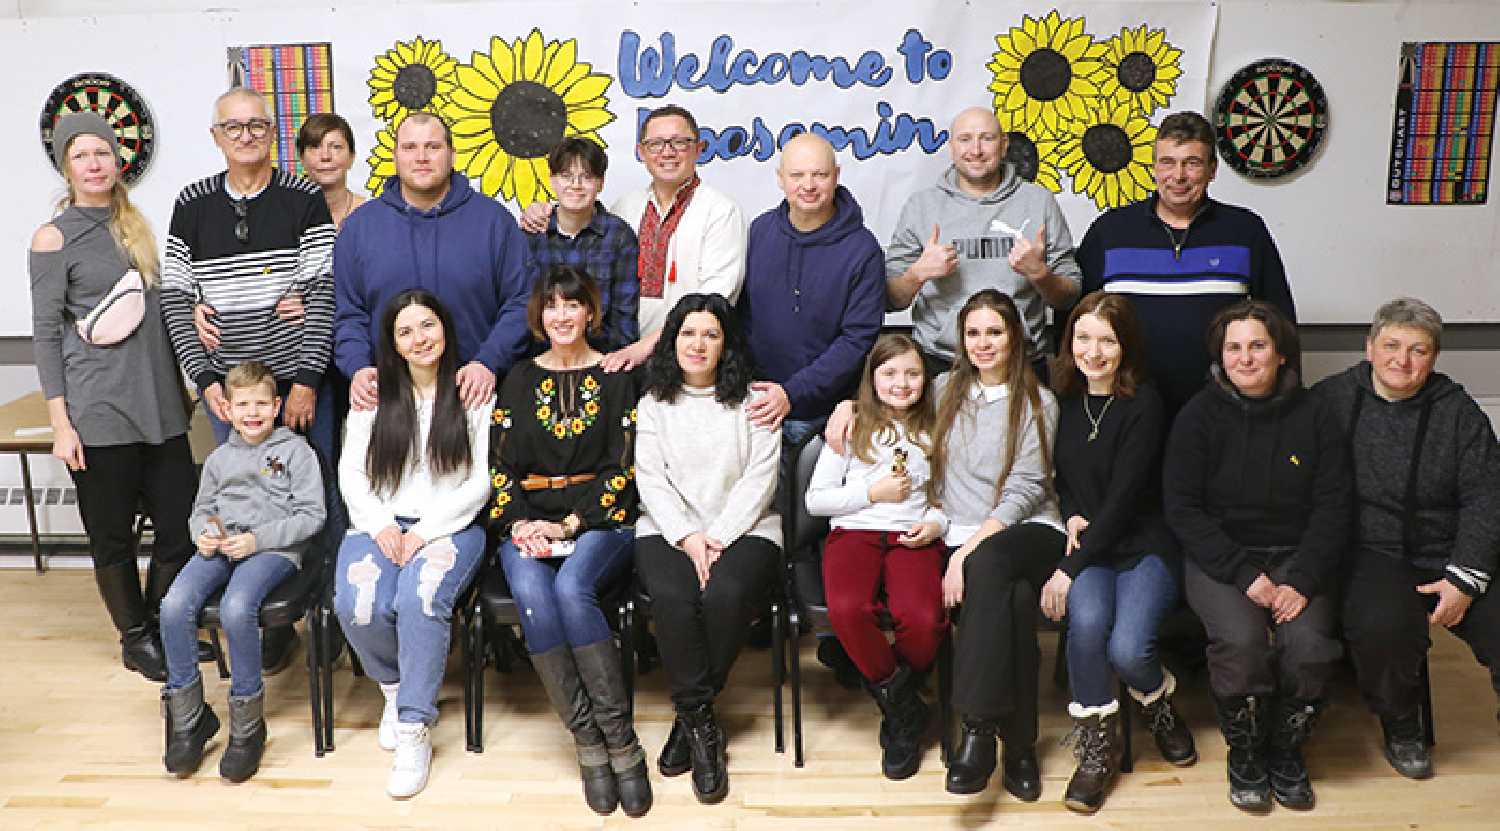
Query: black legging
[(996, 655), (700, 633)]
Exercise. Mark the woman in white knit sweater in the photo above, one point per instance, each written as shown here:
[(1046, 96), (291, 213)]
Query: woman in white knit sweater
[(414, 475), (707, 544)]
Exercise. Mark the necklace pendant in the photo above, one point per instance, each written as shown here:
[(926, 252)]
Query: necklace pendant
[(1094, 434)]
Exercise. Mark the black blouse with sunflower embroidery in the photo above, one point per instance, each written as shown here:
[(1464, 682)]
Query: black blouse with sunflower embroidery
[(564, 423)]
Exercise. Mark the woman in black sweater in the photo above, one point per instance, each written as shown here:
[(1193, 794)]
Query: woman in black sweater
[(1120, 576), (1257, 489)]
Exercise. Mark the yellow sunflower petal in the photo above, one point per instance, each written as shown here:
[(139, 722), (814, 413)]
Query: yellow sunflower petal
[(405, 53), (578, 72), (588, 89), (531, 57), (491, 164), (1022, 41), (501, 60), (562, 61), (473, 81), (464, 99), (589, 119), (1016, 99), (525, 181)]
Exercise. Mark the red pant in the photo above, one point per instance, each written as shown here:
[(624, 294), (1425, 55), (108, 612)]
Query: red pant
[(856, 564)]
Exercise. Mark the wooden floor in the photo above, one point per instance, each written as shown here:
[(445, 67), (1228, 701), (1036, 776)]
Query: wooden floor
[(81, 745)]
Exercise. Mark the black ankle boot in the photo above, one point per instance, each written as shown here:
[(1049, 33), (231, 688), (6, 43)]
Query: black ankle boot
[(140, 643), (676, 758), (276, 647), (1098, 754), (247, 737), (190, 723), (1291, 725), (709, 757), (1020, 773), (1243, 720), (973, 761), (140, 651), (906, 716), (1173, 738), (1405, 745)]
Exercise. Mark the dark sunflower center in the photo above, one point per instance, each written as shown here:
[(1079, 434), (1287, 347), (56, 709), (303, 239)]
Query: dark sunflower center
[(414, 86), (1137, 72), (1021, 153), (1045, 74), (528, 119), (1107, 148)]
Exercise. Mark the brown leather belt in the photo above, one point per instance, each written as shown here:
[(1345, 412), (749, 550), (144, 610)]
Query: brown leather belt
[(537, 482)]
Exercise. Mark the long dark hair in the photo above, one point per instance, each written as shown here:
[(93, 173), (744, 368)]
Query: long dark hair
[(1116, 310), (393, 441), (735, 371), (1025, 392)]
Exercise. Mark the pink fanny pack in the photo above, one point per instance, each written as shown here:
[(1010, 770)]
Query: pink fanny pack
[(118, 314)]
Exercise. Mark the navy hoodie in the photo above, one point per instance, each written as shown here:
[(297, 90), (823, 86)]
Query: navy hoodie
[(813, 303), (1245, 475), (467, 251)]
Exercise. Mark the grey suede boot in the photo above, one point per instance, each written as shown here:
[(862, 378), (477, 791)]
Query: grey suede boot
[(559, 674), (604, 679), (190, 723), (247, 737)]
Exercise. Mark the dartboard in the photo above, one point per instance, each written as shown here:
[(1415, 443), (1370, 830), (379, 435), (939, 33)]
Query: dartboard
[(1270, 118), (118, 103)]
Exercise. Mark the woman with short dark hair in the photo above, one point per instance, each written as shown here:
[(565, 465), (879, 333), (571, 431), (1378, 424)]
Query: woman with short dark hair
[(325, 145), (1256, 484)]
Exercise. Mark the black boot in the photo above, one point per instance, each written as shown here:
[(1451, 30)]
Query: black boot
[(1406, 746), (247, 737), (676, 757), (1173, 738), (276, 647), (1020, 773), (905, 720), (140, 643), (1291, 725), (560, 679), (1098, 754), (832, 654), (604, 679), (973, 760), (709, 757), (1243, 719), (190, 723)]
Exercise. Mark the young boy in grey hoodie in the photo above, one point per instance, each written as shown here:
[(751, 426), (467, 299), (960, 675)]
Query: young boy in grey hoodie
[(260, 503)]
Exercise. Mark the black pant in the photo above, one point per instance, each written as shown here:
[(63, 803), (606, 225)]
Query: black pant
[(160, 480), (996, 657), (701, 632), (1297, 660), (1385, 624)]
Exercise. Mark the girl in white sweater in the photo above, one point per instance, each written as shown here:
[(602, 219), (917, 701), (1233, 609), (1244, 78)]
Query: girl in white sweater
[(707, 546), (414, 474), (886, 549)]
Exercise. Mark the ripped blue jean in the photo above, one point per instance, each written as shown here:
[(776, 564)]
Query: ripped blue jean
[(398, 619)]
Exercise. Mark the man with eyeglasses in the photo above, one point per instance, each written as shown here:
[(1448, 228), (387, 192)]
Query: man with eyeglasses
[(1181, 257), (582, 234), (691, 236)]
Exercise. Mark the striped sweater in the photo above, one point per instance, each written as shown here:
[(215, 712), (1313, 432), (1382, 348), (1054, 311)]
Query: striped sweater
[(290, 249)]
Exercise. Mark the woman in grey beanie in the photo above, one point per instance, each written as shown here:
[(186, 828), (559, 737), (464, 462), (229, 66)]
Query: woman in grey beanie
[(114, 395)]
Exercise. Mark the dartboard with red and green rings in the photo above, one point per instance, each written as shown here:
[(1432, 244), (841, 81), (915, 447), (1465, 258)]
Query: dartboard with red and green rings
[(117, 103), (1270, 118)]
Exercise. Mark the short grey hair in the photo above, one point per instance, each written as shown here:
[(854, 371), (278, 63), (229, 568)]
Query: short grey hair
[(240, 92), (1412, 313)]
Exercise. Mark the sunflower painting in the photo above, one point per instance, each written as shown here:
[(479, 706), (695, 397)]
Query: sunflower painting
[(1108, 153), (1046, 71), (382, 160), (513, 104), (409, 77), (1142, 68)]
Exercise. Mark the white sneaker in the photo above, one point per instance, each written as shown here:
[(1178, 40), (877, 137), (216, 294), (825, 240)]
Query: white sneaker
[(413, 759), (388, 717)]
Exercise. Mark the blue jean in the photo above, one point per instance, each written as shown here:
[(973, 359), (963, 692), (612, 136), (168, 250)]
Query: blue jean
[(246, 583), (559, 596), (1113, 618), (398, 618)]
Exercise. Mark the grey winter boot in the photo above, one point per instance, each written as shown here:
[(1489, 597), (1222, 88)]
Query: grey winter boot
[(190, 723), (604, 679), (247, 737), (559, 674)]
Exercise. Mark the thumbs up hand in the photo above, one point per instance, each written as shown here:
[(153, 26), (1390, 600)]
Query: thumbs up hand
[(937, 260), (1029, 256)]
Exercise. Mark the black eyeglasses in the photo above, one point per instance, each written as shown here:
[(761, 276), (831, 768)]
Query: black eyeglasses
[(258, 128), (242, 226)]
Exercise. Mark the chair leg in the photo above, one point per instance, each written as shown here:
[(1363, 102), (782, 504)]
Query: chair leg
[(1060, 663), (778, 670), (627, 653), (945, 694), (794, 658), (1428, 731), (315, 679), (327, 624), (474, 646), (213, 638), (1127, 753)]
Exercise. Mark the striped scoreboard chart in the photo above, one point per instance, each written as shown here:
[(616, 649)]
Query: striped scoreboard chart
[(297, 78), (1443, 135)]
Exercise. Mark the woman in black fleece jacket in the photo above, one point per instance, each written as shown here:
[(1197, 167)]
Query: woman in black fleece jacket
[(1256, 486)]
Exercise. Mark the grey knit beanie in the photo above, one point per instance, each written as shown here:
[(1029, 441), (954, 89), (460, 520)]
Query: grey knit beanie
[(74, 124)]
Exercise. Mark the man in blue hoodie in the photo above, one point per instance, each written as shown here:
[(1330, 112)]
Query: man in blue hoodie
[(430, 230), (814, 293)]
